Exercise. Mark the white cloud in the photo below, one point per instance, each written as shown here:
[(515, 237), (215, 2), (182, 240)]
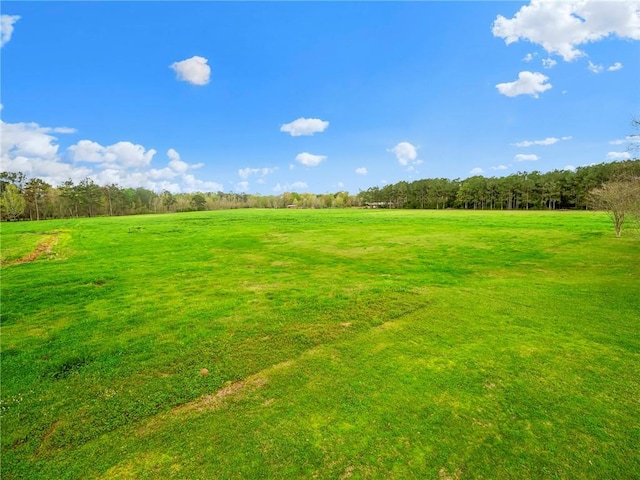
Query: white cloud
[(549, 63), (476, 171), (173, 155), (521, 157), (193, 184), (618, 156), (361, 171), (87, 151), (529, 56), (406, 153), (616, 66), (245, 173), (561, 26), (242, 186), (121, 154), (287, 187), (29, 148), (500, 167), (546, 141), (595, 68), (27, 140), (310, 160), (6, 27), (528, 83), (175, 163), (570, 168), (193, 70), (128, 154), (304, 126)]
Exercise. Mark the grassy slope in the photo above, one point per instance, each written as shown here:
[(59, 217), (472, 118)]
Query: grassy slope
[(372, 344)]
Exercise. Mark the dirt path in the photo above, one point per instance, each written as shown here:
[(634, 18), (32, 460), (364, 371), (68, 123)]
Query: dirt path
[(44, 247)]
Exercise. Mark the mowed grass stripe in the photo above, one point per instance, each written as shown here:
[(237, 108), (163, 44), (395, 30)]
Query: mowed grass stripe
[(494, 345)]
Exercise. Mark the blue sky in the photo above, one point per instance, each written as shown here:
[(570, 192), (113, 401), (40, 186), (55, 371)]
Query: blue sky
[(264, 97)]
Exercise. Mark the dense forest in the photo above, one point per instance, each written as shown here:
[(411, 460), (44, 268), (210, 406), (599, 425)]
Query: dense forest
[(24, 198)]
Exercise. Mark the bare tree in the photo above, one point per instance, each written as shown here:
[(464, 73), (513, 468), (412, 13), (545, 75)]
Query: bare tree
[(621, 198)]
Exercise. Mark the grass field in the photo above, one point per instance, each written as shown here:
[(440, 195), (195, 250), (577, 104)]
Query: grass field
[(338, 343)]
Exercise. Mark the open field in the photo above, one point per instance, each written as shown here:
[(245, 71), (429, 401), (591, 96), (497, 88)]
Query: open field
[(338, 343)]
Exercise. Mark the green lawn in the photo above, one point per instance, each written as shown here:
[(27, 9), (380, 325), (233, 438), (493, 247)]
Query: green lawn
[(339, 344)]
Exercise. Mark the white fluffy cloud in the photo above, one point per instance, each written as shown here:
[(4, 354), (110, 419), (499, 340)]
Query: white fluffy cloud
[(528, 83), (193, 184), (287, 187), (121, 154), (548, 63), (31, 149), (546, 141), (600, 68), (177, 165), (618, 156), (27, 140), (309, 159), (522, 157), (476, 171), (406, 153), (304, 126), (6, 27), (193, 70), (561, 26), (361, 171), (500, 167), (245, 173)]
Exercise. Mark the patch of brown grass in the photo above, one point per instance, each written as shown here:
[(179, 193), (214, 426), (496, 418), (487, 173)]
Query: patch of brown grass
[(44, 247)]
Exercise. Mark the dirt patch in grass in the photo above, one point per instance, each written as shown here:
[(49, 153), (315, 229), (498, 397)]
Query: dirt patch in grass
[(232, 390), (44, 247), (48, 434), (215, 400)]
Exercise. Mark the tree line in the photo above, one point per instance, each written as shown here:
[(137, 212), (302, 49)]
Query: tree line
[(23, 198), (558, 189)]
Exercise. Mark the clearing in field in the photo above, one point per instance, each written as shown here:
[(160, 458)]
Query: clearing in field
[(320, 344)]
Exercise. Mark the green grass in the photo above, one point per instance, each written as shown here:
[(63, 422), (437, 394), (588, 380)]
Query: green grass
[(339, 344)]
